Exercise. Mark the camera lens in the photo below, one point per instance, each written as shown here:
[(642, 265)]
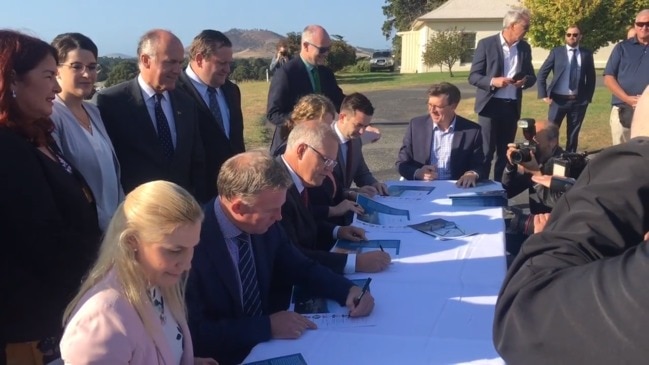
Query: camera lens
[(521, 155)]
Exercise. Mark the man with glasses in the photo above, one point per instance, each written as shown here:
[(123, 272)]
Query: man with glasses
[(442, 145), (501, 69), (572, 86), (310, 155), (300, 76), (626, 75)]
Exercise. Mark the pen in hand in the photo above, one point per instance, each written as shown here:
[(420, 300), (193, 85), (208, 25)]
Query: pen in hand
[(365, 288), (381, 247)]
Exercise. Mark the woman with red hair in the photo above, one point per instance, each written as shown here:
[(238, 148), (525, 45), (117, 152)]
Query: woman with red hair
[(48, 222)]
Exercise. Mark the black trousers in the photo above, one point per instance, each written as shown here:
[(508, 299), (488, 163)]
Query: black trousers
[(498, 121)]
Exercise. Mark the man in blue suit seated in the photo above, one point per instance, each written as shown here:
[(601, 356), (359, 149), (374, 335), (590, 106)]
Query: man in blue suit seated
[(442, 145), (242, 254)]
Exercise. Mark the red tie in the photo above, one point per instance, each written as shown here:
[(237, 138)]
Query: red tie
[(305, 197)]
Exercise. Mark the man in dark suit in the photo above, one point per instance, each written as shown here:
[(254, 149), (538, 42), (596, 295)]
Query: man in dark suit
[(442, 145), (576, 294), (218, 101), (572, 86), (153, 127), (243, 251), (501, 69), (310, 154), (302, 75)]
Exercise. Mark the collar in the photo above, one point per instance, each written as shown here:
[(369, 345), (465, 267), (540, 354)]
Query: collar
[(341, 138), (503, 42), (296, 179), (309, 66), (451, 127), (229, 230), (148, 90), (198, 83), (571, 48)]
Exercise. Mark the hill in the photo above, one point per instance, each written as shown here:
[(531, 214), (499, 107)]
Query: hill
[(251, 43)]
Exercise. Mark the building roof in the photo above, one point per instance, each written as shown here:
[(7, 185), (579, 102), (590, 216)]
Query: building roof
[(470, 9)]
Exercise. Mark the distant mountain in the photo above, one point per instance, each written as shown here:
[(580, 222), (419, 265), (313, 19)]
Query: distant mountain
[(118, 55)]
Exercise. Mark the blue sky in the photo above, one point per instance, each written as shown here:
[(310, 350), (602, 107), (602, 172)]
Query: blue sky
[(115, 25)]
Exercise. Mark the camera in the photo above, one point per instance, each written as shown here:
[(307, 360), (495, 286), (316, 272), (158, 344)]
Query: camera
[(524, 149), (571, 164)]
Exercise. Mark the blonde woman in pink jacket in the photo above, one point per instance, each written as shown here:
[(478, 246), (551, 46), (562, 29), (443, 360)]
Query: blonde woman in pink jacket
[(131, 309)]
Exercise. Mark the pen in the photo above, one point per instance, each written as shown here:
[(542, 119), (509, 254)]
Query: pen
[(365, 288), (381, 247)]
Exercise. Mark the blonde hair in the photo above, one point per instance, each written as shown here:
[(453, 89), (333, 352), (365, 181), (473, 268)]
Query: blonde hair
[(308, 107), (148, 214)]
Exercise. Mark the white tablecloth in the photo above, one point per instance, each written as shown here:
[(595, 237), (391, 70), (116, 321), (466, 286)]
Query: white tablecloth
[(435, 303)]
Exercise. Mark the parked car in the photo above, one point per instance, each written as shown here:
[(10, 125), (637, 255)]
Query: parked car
[(382, 60)]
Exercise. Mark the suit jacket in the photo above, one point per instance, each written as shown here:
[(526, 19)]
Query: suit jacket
[(71, 138), (106, 329), (488, 63), (219, 327), (313, 238), (466, 155), (576, 292), (49, 234), (218, 148), (289, 84), (360, 173), (125, 115), (558, 63)]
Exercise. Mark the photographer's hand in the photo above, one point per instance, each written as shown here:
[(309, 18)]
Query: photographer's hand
[(531, 166), (540, 220), (544, 180), (511, 147)]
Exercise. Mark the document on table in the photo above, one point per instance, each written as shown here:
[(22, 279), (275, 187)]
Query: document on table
[(362, 246), (442, 229), (377, 214), (294, 359), (410, 191)]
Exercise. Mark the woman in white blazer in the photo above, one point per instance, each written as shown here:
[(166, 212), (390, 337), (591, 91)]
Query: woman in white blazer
[(131, 309), (78, 128)]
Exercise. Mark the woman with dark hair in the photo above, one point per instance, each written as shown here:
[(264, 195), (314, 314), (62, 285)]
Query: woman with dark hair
[(78, 128), (48, 222)]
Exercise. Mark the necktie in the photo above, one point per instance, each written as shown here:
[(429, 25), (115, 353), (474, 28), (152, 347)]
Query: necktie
[(164, 133), (215, 108), (248, 274), (316, 80), (348, 163), (304, 195), (574, 70)]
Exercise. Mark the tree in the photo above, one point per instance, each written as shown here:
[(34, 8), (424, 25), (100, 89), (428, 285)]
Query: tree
[(341, 54), (124, 70), (293, 39), (400, 15), (601, 21), (445, 48)]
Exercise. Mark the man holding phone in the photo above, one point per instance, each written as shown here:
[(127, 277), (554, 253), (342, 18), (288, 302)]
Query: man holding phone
[(501, 69)]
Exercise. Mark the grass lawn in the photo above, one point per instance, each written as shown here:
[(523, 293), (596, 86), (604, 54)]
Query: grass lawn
[(595, 132)]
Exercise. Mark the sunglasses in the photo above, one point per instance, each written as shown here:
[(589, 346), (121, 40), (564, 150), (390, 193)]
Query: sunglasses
[(321, 50), (575, 35), (642, 24)]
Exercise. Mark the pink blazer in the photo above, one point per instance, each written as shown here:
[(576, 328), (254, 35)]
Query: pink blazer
[(105, 329)]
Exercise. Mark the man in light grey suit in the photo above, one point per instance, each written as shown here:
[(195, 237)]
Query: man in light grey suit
[(572, 86), (501, 69)]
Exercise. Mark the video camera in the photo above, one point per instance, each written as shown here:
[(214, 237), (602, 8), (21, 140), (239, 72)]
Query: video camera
[(524, 149), (571, 164)]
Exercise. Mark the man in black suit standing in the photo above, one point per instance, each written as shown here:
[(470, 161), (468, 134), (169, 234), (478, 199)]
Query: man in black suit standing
[(153, 127), (302, 75), (442, 145), (501, 69), (243, 252), (310, 154), (218, 100), (572, 86)]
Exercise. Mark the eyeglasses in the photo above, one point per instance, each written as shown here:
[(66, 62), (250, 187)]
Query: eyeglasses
[(329, 163), (642, 24), (321, 50), (573, 35), (433, 107), (79, 67)]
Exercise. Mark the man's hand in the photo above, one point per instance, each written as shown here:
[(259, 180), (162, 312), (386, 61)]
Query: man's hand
[(540, 220), (290, 325), (544, 180), (364, 307), (632, 100), (501, 81), (531, 166), (205, 361), (547, 100), (467, 180), (367, 190), (426, 173), (351, 233), (373, 261), (343, 207), (520, 83), (511, 147), (381, 188)]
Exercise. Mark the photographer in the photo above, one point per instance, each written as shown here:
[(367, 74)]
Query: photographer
[(281, 57)]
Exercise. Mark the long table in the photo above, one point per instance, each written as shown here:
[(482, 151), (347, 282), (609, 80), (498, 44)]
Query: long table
[(435, 303)]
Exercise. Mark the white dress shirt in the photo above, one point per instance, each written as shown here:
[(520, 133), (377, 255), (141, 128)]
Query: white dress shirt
[(510, 68), (563, 84)]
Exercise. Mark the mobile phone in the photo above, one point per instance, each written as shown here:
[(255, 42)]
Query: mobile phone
[(519, 76)]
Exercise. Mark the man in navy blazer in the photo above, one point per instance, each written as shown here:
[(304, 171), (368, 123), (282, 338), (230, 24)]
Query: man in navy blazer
[(442, 145), (501, 69), (572, 86), (218, 101), (154, 127), (242, 255), (302, 75)]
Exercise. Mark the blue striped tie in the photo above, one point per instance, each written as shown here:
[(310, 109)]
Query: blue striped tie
[(248, 274)]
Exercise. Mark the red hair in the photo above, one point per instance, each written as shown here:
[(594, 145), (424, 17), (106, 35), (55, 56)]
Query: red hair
[(19, 54)]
